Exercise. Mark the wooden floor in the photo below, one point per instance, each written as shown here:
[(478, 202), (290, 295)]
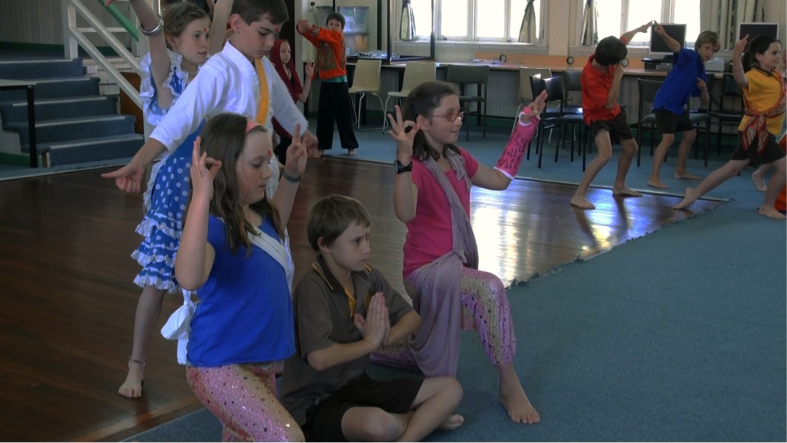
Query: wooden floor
[(67, 300)]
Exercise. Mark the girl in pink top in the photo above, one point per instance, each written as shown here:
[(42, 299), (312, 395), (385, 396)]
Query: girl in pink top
[(432, 196)]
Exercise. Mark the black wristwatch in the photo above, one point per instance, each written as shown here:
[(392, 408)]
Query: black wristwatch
[(400, 168)]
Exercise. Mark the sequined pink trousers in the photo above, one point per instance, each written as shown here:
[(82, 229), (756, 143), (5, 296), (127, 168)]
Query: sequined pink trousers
[(485, 309), (243, 398)]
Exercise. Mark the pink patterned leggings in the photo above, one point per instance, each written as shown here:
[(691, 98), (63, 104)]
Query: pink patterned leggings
[(484, 309), (243, 398)]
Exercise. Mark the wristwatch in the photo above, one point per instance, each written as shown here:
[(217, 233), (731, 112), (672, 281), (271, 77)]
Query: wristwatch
[(400, 168)]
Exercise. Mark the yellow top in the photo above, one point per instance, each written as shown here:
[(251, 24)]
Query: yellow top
[(764, 92)]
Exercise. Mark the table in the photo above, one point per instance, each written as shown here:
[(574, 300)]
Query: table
[(29, 86)]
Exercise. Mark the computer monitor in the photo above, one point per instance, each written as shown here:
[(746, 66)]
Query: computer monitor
[(657, 44), (756, 29)]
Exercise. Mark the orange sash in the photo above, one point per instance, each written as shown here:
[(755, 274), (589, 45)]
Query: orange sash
[(262, 108)]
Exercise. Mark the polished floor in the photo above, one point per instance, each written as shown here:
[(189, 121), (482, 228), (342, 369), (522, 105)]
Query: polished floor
[(67, 301)]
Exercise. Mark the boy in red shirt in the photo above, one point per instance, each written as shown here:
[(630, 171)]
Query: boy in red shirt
[(331, 69), (600, 80)]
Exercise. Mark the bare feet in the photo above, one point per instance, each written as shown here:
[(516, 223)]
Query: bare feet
[(351, 152), (451, 423), (626, 192), (132, 387), (771, 213), (686, 176), (657, 184), (581, 203), (518, 406), (759, 181), (689, 198), (318, 154)]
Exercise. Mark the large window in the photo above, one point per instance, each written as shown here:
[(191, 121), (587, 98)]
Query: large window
[(618, 16), (475, 20)]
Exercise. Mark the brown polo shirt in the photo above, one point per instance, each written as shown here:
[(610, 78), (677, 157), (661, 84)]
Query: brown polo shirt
[(322, 319)]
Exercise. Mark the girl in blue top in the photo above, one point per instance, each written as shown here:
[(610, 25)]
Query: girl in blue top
[(232, 253), (178, 46)]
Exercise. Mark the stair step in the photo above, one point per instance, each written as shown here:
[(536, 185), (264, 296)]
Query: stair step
[(56, 88), (50, 131), (92, 149), (26, 69), (48, 109)]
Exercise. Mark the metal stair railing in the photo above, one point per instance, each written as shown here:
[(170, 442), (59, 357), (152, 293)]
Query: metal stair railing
[(74, 36)]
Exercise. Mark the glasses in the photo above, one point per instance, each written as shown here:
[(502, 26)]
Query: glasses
[(453, 115)]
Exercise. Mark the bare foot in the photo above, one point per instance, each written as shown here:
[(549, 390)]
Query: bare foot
[(626, 192), (451, 423), (657, 184), (686, 176), (771, 213), (759, 181), (581, 203), (318, 154), (132, 387), (351, 152), (689, 198), (518, 406)]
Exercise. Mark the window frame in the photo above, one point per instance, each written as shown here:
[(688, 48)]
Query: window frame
[(471, 36), (667, 16)]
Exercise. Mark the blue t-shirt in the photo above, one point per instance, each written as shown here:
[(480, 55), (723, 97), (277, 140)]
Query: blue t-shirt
[(245, 312), (681, 82)]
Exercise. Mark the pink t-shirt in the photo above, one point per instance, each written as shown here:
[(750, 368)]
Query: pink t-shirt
[(429, 234)]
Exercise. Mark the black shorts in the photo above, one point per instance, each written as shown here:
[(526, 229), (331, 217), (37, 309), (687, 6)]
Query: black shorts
[(617, 127), (669, 123), (324, 419), (770, 153)]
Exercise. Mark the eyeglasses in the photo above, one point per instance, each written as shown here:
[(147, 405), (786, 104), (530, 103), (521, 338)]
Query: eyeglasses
[(453, 115)]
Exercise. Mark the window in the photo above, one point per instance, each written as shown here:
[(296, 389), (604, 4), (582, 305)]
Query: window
[(618, 16), (474, 20)]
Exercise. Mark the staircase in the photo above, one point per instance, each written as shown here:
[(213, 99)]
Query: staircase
[(74, 122)]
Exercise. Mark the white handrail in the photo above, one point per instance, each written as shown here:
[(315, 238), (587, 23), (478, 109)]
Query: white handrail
[(74, 36)]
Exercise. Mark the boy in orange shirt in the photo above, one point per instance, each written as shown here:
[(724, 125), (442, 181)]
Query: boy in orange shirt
[(331, 69), (601, 78)]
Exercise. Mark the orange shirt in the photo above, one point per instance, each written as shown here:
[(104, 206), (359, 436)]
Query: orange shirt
[(331, 59), (596, 85)]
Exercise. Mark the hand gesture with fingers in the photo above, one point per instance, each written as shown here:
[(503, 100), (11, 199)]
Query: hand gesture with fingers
[(645, 27), (203, 171), (534, 109), (309, 68), (296, 154), (303, 26), (399, 132), (740, 46), (128, 178)]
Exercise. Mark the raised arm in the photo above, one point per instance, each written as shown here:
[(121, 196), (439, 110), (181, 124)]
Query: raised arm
[(627, 36), (737, 63), (307, 80), (291, 177), (195, 255), (672, 44), (159, 57), (405, 192), (221, 15)]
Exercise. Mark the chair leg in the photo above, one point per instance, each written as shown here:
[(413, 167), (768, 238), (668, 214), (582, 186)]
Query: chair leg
[(540, 150), (707, 142)]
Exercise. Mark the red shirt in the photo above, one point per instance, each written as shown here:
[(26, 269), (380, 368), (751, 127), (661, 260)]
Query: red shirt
[(595, 92)]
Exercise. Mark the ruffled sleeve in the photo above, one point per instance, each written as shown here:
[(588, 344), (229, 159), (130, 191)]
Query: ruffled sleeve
[(176, 81)]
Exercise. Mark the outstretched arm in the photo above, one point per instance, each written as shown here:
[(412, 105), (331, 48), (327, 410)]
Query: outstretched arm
[(672, 44), (627, 36)]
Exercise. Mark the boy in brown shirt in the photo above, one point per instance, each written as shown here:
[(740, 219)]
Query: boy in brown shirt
[(344, 310)]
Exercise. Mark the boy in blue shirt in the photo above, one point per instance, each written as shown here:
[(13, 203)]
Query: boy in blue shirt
[(686, 79)]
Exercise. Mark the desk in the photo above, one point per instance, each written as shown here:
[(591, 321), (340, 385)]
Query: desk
[(31, 113)]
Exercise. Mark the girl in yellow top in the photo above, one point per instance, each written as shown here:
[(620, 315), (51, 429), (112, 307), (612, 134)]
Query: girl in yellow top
[(764, 101)]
